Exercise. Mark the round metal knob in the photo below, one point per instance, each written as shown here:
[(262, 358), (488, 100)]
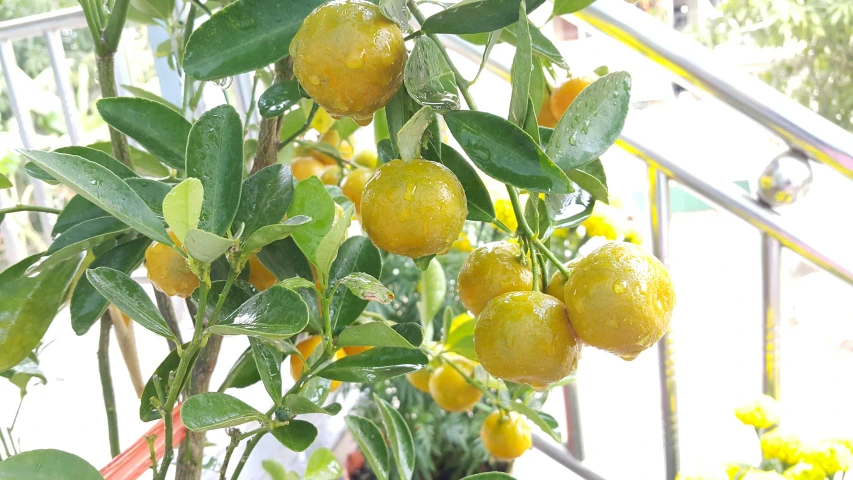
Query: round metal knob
[(785, 180)]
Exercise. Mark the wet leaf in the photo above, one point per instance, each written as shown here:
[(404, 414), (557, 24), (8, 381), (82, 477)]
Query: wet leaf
[(322, 465), (182, 207), (152, 192), (164, 371), (297, 435), (371, 443), (101, 158), (284, 259), (311, 199), (356, 254), (373, 334), (374, 365), (276, 313), (367, 288), (409, 137), (272, 233), (428, 77), (265, 198), (243, 373), (299, 405), (212, 410), (279, 98), (592, 179), (268, 361), (327, 249), (564, 7), (476, 16), (521, 70), (78, 238), (536, 419), (399, 437), (205, 246)]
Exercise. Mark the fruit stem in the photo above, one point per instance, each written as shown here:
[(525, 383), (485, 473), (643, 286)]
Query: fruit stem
[(327, 319), (460, 80), (528, 233), (29, 208)]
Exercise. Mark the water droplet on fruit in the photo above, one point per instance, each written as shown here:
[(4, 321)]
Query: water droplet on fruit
[(620, 287)]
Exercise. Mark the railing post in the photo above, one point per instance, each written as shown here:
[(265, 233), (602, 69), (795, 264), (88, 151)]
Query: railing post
[(53, 40), (771, 253), (659, 209), (574, 442)]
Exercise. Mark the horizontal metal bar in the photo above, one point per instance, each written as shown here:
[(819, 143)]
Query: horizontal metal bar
[(697, 66), (563, 457), (734, 200), (35, 25)]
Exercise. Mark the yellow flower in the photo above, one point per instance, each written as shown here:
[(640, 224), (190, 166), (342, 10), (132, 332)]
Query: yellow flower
[(632, 235), (831, 456), (505, 213), (463, 243), (762, 412), (805, 471), (605, 221), (733, 469), (784, 447), (847, 442), (760, 475)]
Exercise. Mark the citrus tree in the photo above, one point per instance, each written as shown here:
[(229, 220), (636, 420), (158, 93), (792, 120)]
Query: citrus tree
[(258, 243)]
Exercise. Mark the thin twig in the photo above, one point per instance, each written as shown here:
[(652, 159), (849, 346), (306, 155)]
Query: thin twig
[(107, 384), (203, 7), (304, 128), (235, 440), (29, 208), (167, 309), (252, 103), (248, 451), (150, 440)]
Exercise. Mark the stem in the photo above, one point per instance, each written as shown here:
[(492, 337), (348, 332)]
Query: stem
[(29, 208), (249, 447), (150, 440), (252, 104), (527, 232), (270, 128), (223, 295), (327, 320), (5, 447), (203, 7), (302, 129), (115, 25), (460, 80), (107, 384), (107, 80), (17, 412), (235, 440), (167, 309)]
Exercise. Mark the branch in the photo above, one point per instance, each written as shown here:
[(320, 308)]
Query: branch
[(115, 25), (107, 384), (29, 208)]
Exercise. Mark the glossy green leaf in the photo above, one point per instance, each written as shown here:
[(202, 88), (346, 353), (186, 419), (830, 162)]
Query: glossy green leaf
[(272, 233), (328, 248), (240, 293), (142, 162), (367, 288), (167, 367), (376, 364), (104, 189), (215, 156), (158, 128), (87, 303), (77, 210), (536, 419), (243, 373), (476, 16), (429, 78), (316, 389), (480, 207), (398, 111), (521, 70), (244, 36), (399, 437), (311, 199), (322, 465), (284, 259), (539, 88), (265, 198), (411, 331), (409, 137), (357, 254), (101, 158), (279, 98), (38, 173), (505, 152), (531, 123), (490, 476), (591, 178), (182, 207), (152, 192), (120, 290), (345, 126), (5, 182), (300, 405), (542, 46), (19, 269), (566, 211), (142, 93), (82, 236), (47, 465), (27, 307), (274, 313), (592, 123), (373, 334), (385, 150), (212, 410), (371, 442), (297, 435), (205, 246), (268, 360), (295, 283), (491, 40), (21, 374), (564, 7)]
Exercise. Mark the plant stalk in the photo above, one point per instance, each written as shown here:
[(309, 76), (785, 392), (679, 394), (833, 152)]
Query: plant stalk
[(270, 129), (29, 208), (107, 383), (167, 309), (528, 233), (107, 80)]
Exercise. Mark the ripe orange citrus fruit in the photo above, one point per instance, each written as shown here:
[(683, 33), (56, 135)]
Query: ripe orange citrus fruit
[(492, 270)]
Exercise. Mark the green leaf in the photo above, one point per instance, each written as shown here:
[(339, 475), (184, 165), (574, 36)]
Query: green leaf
[(395, 10), (311, 199), (104, 189), (531, 123), (158, 128), (271, 233), (602, 70), (212, 410), (398, 111), (566, 211), (47, 465), (276, 471), (542, 46), (77, 210), (480, 207), (19, 269), (327, 249), (536, 419), (167, 367), (591, 178), (373, 334), (461, 340), (423, 262), (296, 283), (476, 16), (244, 36), (386, 150), (265, 198), (143, 162), (268, 360), (592, 123), (279, 98), (27, 307), (409, 137), (101, 158), (21, 374), (490, 476), (243, 373), (371, 442), (152, 192), (433, 288), (215, 156), (5, 182), (300, 405), (142, 93), (205, 246), (82, 236), (38, 173), (429, 78), (357, 254), (322, 465), (367, 288), (297, 435), (564, 7), (399, 437), (446, 324), (492, 40), (521, 70), (284, 259), (411, 331), (374, 365), (274, 313), (182, 207), (538, 89), (120, 290), (505, 152)]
